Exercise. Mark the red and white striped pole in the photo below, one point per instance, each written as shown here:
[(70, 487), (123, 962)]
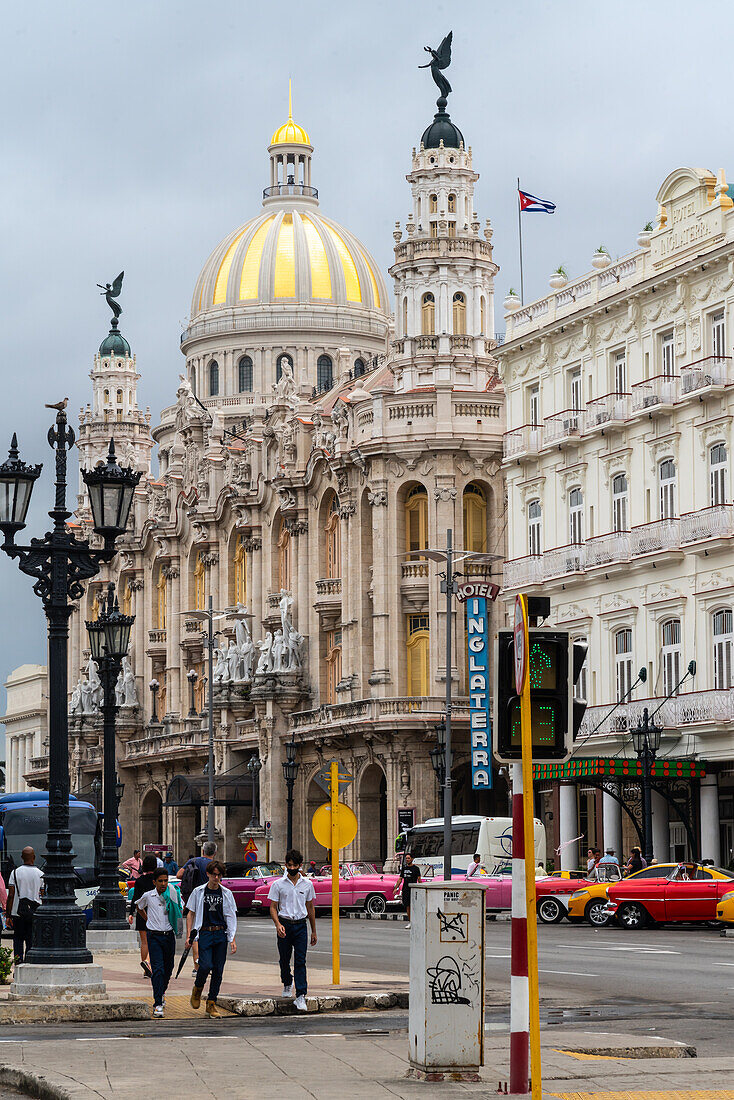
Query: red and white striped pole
[(519, 981)]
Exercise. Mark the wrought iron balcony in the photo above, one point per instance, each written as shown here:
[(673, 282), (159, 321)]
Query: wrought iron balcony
[(522, 441), (607, 411), (564, 559), (661, 534), (292, 190), (607, 549), (713, 372), (716, 522), (562, 426), (522, 571), (656, 394)]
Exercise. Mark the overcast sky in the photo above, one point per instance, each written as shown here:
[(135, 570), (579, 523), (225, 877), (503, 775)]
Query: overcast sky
[(134, 136)]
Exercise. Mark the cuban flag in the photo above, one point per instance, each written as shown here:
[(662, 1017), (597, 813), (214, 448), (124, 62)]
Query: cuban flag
[(532, 205)]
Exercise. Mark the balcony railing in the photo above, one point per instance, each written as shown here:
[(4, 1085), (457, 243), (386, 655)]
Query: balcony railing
[(716, 522), (375, 710), (522, 571), (661, 534), (705, 373), (331, 586), (607, 549), (522, 441), (658, 391), (157, 637), (612, 408), (290, 189), (687, 709), (562, 425), (564, 559), (415, 570)]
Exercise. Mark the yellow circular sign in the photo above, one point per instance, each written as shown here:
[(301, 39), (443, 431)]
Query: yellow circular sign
[(346, 825)]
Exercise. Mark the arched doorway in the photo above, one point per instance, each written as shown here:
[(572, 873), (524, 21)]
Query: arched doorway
[(372, 815), (314, 850), (151, 819)]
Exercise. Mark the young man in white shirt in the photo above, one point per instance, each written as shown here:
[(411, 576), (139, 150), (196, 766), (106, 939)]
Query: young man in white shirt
[(153, 909), (211, 916), (291, 906), (474, 866), (24, 897)]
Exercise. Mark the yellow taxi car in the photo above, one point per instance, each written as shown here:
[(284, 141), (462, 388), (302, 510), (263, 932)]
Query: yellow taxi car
[(725, 908), (590, 902)]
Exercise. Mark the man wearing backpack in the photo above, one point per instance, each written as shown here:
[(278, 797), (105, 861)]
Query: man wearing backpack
[(193, 874), (24, 897)]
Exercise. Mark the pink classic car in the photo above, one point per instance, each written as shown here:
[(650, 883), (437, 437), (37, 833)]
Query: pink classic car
[(243, 879), (360, 887)]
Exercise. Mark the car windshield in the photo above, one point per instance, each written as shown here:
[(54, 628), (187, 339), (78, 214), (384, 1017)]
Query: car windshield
[(606, 872), (362, 869)]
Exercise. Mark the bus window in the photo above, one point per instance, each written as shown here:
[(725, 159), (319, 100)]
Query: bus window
[(24, 825), (429, 842)]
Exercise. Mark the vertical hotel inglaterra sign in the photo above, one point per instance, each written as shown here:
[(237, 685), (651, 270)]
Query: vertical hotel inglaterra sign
[(476, 595)]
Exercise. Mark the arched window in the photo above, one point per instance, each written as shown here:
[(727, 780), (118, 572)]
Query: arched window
[(417, 646), (428, 315), (459, 311), (722, 649), (576, 516), (416, 520), (244, 369), (239, 572), (433, 204), (283, 360), (619, 503), (213, 378), (482, 314), (405, 316), (359, 368), (284, 557), (162, 600), (670, 655), (623, 662), (106, 396), (333, 663), (667, 488), (199, 583), (119, 397), (452, 204), (475, 519), (332, 531), (324, 374), (718, 473), (535, 528)]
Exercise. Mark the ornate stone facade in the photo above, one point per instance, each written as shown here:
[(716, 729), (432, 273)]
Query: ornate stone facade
[(314, 448)]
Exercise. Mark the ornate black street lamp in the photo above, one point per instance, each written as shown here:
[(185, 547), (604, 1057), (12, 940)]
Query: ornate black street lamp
[(96, 788), (60, 564), (109, 639), (119, 792), (646, 742), (438, 755), (254, 764), (290, 774), (192, 676), (154, 689)]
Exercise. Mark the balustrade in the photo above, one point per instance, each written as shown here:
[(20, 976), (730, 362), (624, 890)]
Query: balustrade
[(661, 534), (606, 549), (520, 441), (708, 523)]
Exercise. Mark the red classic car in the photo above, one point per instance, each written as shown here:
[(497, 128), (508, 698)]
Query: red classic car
[(690, 892), (244, 878), (360, 886), (552, 892)]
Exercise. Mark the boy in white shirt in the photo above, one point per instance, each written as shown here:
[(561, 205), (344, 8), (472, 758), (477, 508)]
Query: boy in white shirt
[(153, 908), (291, 906)]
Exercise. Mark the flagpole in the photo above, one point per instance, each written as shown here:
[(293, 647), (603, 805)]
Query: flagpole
[(519, 230)]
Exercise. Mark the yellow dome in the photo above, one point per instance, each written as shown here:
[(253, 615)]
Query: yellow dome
[(290, 133), (290, 254)]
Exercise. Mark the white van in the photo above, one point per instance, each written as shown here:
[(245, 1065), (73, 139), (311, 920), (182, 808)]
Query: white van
[(490, 836)]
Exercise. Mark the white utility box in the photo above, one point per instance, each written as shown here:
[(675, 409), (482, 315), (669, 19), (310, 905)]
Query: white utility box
[(446, 1017)]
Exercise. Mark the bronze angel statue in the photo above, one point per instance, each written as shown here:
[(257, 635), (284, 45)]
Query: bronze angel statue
[(112, 291), (440, 59)]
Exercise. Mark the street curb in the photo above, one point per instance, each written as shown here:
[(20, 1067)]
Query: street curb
[(32, 1084), (283, 1006), (71, 1012)]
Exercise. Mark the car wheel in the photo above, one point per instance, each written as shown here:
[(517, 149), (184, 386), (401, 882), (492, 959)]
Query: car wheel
[(632, 916), (375, 904), (550, 910), (595, 913), (714, 924)]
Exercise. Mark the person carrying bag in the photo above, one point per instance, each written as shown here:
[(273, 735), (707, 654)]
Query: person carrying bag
[(24, 897)]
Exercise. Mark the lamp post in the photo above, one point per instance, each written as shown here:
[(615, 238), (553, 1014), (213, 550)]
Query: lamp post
[(154, 689), (192, 677), (60, 563), (119, 792), (438, 756), (290, 773), (208, 638), (254, 764), (646, 741), (96, 788), (109, 640)]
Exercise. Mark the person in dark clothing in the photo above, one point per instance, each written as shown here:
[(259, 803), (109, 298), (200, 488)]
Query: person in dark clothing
[(409, 874), (212, 919), (143, 883), (635, 861), (170, 864)]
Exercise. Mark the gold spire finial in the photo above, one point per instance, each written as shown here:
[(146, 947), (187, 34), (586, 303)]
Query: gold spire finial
[(290, 102)]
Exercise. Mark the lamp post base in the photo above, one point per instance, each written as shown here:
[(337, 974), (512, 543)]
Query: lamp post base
[(108, 913), (113, 939), (68, 983)]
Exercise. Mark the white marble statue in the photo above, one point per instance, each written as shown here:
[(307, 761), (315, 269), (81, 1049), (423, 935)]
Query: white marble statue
[(233, 662), (279, 652), (286, 384), (265, 664), (75, 706), (285, 604), (126, 692), (247, 654), (245, 645), (293, 642), (221, 667), (216, 429)]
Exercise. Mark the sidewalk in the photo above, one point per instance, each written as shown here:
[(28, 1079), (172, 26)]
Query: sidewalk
[(362, 1067)]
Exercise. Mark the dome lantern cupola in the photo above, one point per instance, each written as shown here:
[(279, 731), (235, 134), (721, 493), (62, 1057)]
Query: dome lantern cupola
[(290, 161), (114, 344)]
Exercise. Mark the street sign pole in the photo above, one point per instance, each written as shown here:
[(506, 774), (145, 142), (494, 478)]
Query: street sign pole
[(334, 790), (524, 1003)]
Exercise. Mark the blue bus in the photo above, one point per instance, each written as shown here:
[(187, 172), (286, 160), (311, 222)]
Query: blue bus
[(24, 821)]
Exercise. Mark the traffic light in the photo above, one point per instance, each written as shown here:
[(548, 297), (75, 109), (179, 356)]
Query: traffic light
[(555, 716)]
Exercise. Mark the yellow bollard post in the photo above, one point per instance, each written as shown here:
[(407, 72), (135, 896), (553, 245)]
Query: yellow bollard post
[(529, 830), (334, 791)]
